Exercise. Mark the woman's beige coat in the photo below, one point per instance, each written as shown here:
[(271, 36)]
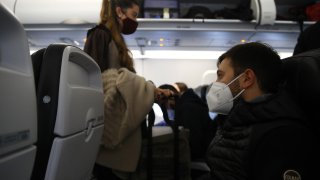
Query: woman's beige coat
[(128, 99)]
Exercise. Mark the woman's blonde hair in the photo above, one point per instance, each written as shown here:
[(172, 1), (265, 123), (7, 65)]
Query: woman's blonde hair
[(108, 18)]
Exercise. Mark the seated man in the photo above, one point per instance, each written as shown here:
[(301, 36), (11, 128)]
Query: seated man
[(262, 137), (191, 113)]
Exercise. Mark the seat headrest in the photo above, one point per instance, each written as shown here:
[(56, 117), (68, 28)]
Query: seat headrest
[(37, 62), (302, 80)]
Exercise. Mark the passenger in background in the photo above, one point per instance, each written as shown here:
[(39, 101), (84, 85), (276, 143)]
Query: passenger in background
[(262, 136), (170, 104), (181, 87), (192, 113), (308, 39), (202, 91), (128, 97)]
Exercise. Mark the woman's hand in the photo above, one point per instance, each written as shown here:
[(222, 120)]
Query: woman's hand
[(161, 95)]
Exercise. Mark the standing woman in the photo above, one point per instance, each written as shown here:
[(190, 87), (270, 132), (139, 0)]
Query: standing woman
[(105, 42), (128, 97)]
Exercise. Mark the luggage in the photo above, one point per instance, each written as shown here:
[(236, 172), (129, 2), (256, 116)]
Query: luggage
[(161, 9)]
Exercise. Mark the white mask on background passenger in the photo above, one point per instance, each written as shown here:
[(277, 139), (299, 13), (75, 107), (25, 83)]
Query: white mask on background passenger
[(219, 97), (170, 114)]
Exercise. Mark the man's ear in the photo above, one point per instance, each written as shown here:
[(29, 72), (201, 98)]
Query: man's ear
[(248, 79)]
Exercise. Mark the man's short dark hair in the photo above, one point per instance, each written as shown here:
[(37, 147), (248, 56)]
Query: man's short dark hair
[(261, 58), (170, 87)]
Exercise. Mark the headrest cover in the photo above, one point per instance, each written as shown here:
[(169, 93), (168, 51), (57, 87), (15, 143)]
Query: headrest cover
[(302, 74)]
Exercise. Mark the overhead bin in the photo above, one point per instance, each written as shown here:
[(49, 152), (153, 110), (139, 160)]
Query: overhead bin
[(47, 21), (87, 11), (58, 11)]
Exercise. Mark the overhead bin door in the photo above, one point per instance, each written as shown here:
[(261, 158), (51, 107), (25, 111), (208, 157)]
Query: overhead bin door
[(58, 11)]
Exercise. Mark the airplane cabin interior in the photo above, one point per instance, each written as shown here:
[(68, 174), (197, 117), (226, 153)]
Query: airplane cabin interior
[(176, 41)]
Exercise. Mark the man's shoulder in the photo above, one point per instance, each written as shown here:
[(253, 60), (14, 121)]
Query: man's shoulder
[(279, 123), (279, 130)]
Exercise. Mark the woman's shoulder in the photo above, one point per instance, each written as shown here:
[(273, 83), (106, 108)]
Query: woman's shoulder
[(99, 29)]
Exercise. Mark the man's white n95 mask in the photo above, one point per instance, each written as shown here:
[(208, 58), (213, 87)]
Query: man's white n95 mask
[(219, 97)]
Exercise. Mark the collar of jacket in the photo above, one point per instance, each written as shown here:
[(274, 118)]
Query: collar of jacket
[(271, 108)]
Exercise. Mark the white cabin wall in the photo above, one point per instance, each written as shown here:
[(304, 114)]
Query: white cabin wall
[(193, 72), (169, 71)]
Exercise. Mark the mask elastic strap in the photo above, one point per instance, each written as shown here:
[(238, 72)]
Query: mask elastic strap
[(240, 91), (237, 95)]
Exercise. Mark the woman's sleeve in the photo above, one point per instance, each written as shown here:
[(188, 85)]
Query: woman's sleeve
[(128, 99), (97, 46), (138, 95)]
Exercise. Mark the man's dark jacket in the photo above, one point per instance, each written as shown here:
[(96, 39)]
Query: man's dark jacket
[(262, 140)]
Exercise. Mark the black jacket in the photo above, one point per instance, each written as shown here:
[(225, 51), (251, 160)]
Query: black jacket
[(193, 114), (97, 45), (262, 140)]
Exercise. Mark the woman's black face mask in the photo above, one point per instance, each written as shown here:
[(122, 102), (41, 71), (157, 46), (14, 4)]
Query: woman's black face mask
[(129, 26)]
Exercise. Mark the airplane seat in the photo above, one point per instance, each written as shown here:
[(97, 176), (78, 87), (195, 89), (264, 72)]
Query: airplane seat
[(302, 80), (70, 112), (18, 109)]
